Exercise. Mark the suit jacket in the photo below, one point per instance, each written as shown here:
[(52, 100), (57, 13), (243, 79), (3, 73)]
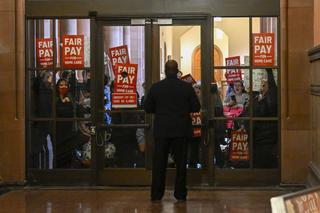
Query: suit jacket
[(172, 101)]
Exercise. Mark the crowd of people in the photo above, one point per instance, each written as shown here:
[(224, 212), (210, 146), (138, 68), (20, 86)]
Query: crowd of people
[(234, 107), (125, 147)]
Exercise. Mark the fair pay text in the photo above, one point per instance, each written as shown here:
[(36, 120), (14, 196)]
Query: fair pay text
[(119, 56), (72, 46), (242, 144), (130, 78), (45, 49), (263, 44)]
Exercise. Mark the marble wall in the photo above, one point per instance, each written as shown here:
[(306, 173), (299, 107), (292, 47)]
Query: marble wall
[(296, 39), (316, 22), (12, 132)]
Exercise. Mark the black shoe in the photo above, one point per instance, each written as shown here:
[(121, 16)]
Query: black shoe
[(180, 199)]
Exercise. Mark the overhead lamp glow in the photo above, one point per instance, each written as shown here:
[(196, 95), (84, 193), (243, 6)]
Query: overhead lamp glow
[(217, 19), (219, 34)]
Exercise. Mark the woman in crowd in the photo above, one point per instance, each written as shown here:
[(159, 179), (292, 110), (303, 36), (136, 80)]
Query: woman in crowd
[(265, 133), (68, 139), (238, 96)]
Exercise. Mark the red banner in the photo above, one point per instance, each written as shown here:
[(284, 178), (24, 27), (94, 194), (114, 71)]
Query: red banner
[(196, 120), (126, 78), (233, 74), (188, 78), (124, 100), (45, 52), (73, 51), (119, 55), (239, 146), (263, 49)]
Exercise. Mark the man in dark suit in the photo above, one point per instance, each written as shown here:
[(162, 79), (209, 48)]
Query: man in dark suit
[(172, 101)]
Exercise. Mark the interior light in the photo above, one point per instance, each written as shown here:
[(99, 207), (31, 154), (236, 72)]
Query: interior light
[(217, 19), (219, 34)]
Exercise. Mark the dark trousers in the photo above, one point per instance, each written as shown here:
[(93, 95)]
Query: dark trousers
[(160, 160)]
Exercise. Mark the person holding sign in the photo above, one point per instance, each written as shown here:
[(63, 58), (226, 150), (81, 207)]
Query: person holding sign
[(171, 100), (238, 96), (235, 103)]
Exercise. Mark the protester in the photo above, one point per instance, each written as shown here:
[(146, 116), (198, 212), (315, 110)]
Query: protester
[(265, 133)]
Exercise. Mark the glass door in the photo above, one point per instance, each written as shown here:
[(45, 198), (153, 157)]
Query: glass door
[(58, 101), (131, 56), (121, 78), (247, 101), (185, 41)]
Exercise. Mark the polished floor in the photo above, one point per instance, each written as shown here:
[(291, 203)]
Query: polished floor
[(135, 200)]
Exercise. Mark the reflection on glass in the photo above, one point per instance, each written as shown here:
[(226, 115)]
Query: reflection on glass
[(265, 144), (265, 93), (231, 39), (41, 147)]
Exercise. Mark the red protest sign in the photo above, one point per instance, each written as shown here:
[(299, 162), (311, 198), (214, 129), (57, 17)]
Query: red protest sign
[(196, 120), (45, 52), (233, 75), (188, 78), (119, 55), (263, 49), (126, 78), (239, 146), (73, 51), (124, 100)]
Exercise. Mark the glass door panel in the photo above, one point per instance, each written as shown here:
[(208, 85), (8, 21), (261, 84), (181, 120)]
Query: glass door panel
[(246, 116), (183, 44), (124, 80)]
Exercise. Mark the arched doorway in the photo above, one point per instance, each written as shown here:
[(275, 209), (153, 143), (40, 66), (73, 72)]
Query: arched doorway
[(196, 63)]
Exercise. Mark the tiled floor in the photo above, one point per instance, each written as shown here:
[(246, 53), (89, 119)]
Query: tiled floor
[(134, 200)]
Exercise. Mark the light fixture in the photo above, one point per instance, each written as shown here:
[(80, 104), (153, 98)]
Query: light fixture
[(217, 19)]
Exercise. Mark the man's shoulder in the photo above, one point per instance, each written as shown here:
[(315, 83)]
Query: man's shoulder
[(157, 84), (170, 82)]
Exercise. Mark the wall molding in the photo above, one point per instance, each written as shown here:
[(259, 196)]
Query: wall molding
[(314, 175), (314, 54)]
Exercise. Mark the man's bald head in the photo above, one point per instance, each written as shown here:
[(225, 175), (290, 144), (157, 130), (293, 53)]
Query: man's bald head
[(171, 68)]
